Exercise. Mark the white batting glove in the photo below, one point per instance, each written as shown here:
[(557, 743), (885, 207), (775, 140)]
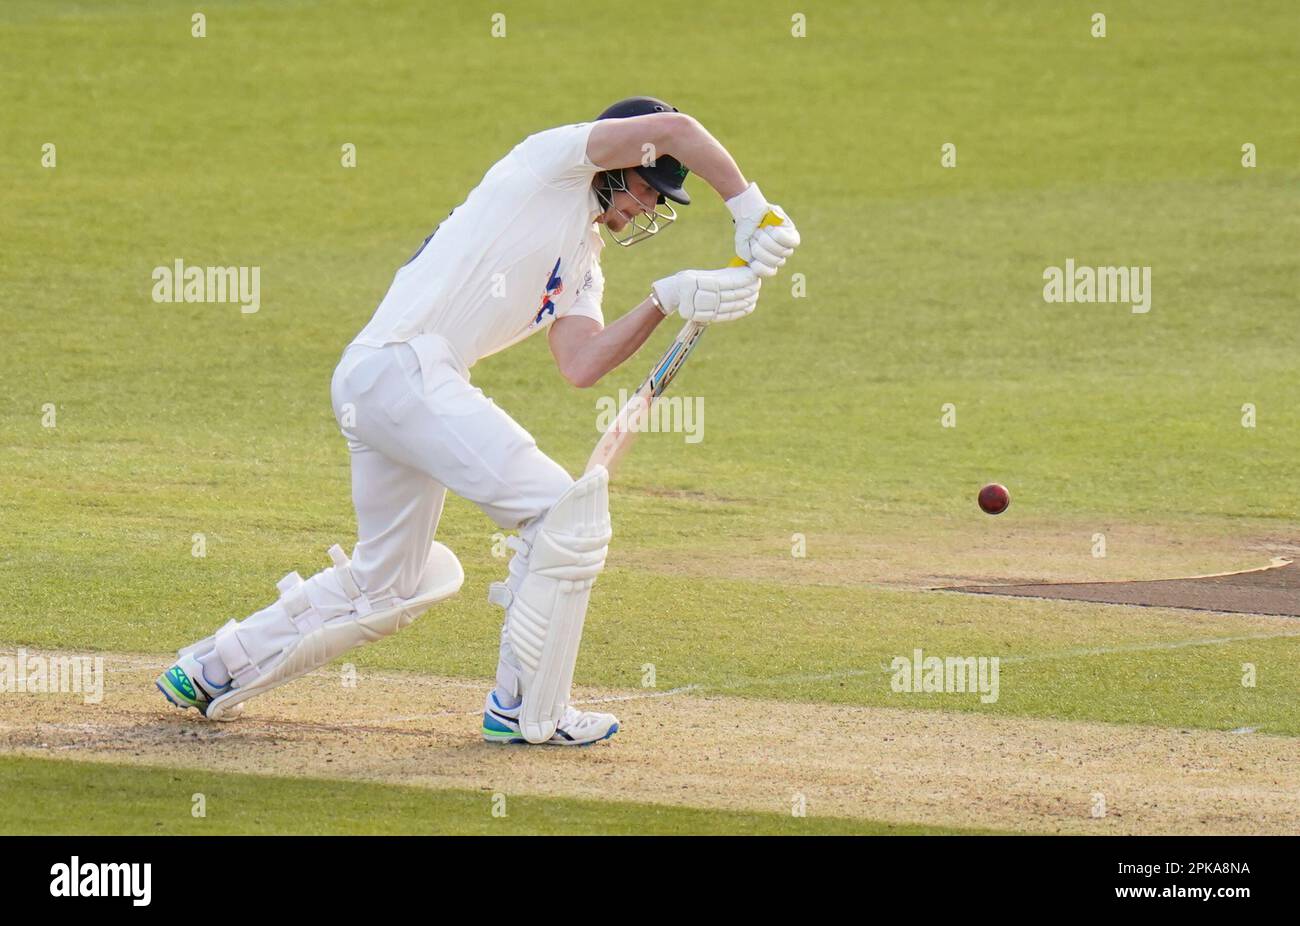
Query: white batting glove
[(708, 296), (763, 247)]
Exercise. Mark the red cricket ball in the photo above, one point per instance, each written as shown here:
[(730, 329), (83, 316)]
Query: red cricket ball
[(994, 498)]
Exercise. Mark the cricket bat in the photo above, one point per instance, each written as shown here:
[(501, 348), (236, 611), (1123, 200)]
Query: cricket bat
[(632, 417)]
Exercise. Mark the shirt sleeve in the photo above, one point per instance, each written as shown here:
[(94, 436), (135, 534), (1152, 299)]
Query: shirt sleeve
[(590, 295), (559, 156)]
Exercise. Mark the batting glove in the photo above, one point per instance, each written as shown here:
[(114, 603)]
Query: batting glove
[(764, 247), (708, 296)]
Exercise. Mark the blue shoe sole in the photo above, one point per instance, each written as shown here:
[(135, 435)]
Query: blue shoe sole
[(181, 704), (167, 694)]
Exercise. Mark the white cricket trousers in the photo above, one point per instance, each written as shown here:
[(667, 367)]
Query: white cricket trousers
[(416, 428)]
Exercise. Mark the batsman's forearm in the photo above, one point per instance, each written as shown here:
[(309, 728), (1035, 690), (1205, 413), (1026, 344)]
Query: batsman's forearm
[(613, 344), (708, 160)]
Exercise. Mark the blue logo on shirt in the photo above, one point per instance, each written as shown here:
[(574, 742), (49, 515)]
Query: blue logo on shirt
[(554, 286)]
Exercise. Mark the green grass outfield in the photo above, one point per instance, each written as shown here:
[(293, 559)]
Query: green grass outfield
[(92, 798), (924, 286)]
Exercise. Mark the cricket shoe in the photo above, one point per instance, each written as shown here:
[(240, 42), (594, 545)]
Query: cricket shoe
[(576, 728), (184, 685)]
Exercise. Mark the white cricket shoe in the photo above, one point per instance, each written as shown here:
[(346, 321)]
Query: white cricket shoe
[(185, 686), (576, 728)]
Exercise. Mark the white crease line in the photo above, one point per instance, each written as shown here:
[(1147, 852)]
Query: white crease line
[(885, 670), (1146, 647), (638, 695), (735, 684), (115, 664)]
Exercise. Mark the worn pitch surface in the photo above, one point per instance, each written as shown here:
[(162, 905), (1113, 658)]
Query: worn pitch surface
[(1272, 590)]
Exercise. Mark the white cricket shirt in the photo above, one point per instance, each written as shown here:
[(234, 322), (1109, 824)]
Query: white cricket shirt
[(521, 251)]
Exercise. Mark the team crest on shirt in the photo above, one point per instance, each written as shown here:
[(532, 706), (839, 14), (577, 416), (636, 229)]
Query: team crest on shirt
[(554, 286)]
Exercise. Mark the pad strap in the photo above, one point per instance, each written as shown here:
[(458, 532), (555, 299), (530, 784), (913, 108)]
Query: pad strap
[(343, 570), (500, 595), (296, 605), (236, 659)]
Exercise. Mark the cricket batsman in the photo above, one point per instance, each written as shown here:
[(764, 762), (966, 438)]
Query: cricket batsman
[(520, 255)]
